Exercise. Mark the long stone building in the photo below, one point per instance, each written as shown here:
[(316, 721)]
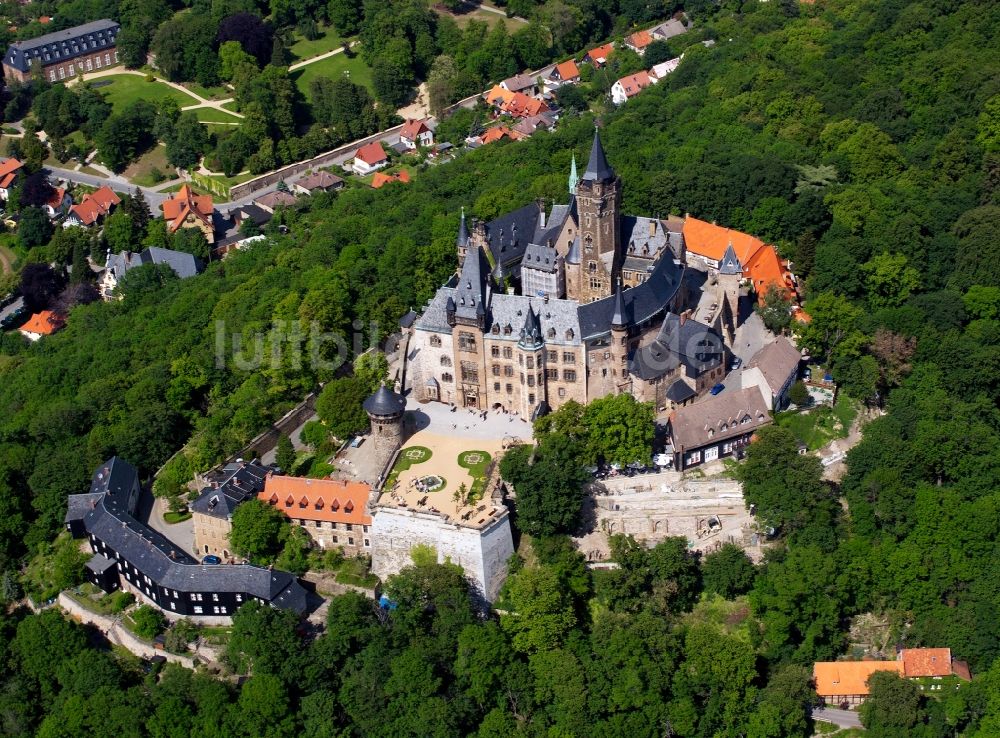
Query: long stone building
[(573, 304), (64, 54)]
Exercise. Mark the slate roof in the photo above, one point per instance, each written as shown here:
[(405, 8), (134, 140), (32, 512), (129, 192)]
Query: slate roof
[(680, 391), (236, 483), (730, 263), (384, 402), (183, 264), (100, 563), (61, 46), (540, 258), (167, 565), (642, 302), (687, 342), (518, 82), (79, 505), (272, 200), (557, 319), (638, 241), (509, 235), (669, 29), (718, 418), (598, 169)]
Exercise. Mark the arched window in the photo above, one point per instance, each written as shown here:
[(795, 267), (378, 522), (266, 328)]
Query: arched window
[(446, 377), (435, 341), (445, 361)]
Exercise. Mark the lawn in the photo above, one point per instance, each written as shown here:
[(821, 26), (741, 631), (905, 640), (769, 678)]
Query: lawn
[(214, 115), (306, 49), (483, 16), (141, 171), (356, 571), (127, 88), (171, 518), (477, 462), (333, 67), (817, 427), (407, 457), (209, 93)]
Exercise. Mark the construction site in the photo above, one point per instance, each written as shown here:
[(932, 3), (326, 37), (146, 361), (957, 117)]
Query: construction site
[(707, 511)]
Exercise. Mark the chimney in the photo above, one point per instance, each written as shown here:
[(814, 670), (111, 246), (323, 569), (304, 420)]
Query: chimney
[(683, 317), (652, 227)]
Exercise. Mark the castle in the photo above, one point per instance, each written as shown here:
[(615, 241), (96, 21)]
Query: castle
[(574, 305)]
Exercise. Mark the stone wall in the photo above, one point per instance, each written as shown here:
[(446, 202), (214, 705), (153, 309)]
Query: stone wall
[(481, 552)]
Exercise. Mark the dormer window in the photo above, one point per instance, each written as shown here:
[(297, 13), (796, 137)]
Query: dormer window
[(319, 504), (289, 501), (274, 499), (349, 507), (335, 505), (304, 502)]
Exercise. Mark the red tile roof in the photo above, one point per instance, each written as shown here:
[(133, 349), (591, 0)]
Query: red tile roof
[(601, 53), (95, 205), (498, 95), (495, 134), (568, 70), (636, 83), (412, 129), (57, 197), (44, 323), (639, 39), (381, 178), (372, 154), (8, 172), (926, 662), (106, 197), (328, 500), (522, 106), (846, 678), (183, 203)]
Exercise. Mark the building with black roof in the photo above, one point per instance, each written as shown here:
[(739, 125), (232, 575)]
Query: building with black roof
[(603, 292), (212, 511), (64, 54), (130, 555)]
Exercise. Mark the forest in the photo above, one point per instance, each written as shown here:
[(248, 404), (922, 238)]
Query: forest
[(864, 141)]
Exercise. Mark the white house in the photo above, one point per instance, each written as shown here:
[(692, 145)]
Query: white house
[(662, 69), (416, 133), (58, 204), (773, 370), (630, 86), (369, 158)]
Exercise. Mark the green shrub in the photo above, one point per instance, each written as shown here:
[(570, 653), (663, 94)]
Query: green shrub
[(119, 600), (149, 622)]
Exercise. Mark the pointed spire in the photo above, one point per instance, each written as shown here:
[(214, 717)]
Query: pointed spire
[(531, 333), (598, 169), (463, 232), (730, 263), (573, 177), (618, 318)]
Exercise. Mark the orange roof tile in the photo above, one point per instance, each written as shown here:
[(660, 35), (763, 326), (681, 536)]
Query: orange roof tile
[(635, 83), (522, 106), (639, 39), (498, 95), (844, 678), (413, 128), (57, 197), (372, 153), (87, 211), (10, 166), (926, 662), (568, 70), (495, 134), (105, 197), (764, 269), (44, 323), (381, 178), (328, 500), (710, 241), (183, 203), (601, 53)]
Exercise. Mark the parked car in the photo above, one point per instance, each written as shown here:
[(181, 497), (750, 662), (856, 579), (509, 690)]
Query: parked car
[(211, 559), (736, 363), (717, 389)]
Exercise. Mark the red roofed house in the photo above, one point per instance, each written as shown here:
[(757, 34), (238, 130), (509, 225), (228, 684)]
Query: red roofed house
[(10, 170), (630, 86), (522, 106), (93, 208), (416, 133), (498, 96), (566, 73), (758, 262), (599, 56), (185, 209), (381, 178), (58, 204), (332, 512), (495, 134), (369, 158), (638, 41), (839, 682), (41, 324)]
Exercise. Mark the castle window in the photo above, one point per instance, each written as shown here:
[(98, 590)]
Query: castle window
[(562, 391), (435, 341), (569, 375), (531, 380), (508, 371), (445, 361), (496, 370), (470, 372), (595, 284), (496, 386), (569, 334), (510, 388), (466, 341), (508, 352), (552, 356), (551, 333), (531, 399), (592, 266), (552, 374), (569, 358), (531, 362), (446, 377), (494, 350)]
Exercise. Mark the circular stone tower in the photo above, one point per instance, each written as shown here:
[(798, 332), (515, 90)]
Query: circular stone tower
[(385, 411)]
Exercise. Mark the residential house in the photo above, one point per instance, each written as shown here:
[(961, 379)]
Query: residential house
[(668, 30), (212, 512), (662, 69), (94, 207), (630, 86), (185, 209), (11, 171), (58, 204), (381, 178), (369, 158), (273, 200), (131, 556), (416, 133), (521, 83), (522, 106), (566, 72), (332, 512), (64, 54), (184, 265), (599, 56), (498, 96), (321, 181), (757, 262), (495, 133), (716, 427), (41, 324), (533, 123), (250, 213), (638, 41), (846, 682), (773, 370)]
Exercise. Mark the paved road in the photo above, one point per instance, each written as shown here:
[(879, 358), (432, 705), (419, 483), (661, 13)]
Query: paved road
[(841, 718), (118, 184)]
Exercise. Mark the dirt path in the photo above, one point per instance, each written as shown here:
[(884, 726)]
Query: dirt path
[(6, 260), (321, 57)]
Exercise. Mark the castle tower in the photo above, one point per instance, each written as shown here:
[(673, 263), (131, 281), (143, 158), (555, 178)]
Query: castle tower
[(531, 346), (729, 278), (598, 201), (385, 411), (573, 177), (462, 241), (619, 336)]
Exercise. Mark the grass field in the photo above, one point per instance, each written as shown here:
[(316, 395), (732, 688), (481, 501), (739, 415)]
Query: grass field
[(819, 426), (209, 93), (213, 115), (305, 49), (483, 16), (127, 88), (141, 171), (333, 67)]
